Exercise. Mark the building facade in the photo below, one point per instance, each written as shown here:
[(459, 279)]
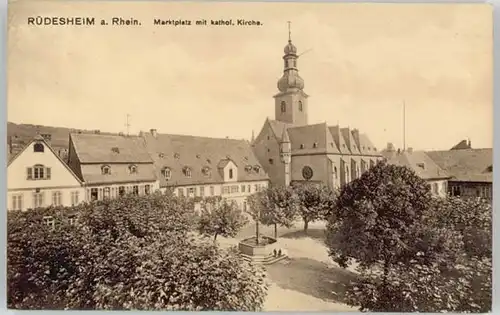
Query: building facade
[(111, 165), (293, 151), (471, 170), (37, 177), (202, 167), (424, 167)]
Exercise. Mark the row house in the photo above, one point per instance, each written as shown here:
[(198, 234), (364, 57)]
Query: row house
[(470, 170), (421, 163), (111, 165), (201, 167), (37, 177)]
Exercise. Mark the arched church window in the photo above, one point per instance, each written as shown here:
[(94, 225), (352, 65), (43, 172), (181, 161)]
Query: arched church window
[(283, 106), (300, 105)]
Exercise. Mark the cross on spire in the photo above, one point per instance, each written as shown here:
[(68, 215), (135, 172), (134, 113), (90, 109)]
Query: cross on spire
[(289, 31), (127, 124)]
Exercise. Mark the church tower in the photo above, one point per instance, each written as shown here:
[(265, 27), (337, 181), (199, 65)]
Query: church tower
[(291, 101)]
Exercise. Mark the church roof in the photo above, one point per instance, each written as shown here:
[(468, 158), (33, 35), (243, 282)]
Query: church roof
[(421, 163), (203, 156), (468, 165), (321, 138)]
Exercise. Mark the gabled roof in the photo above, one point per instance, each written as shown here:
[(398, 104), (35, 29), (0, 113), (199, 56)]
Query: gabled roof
[(462, 145), (39, 138), (349, 140), (421, 163), (367, 146), (100, 148), (311, 139), (339, 139), (470, 165), (328, 139), (177, 151)]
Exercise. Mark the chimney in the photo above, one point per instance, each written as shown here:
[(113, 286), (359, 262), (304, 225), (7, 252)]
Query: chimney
[(390, 147), (469, 145), (154, 133), (410, 150), (47, 137), (399, 151)]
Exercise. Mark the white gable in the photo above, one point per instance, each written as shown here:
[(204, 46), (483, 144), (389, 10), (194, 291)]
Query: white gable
[(60, 175), (230, 172)]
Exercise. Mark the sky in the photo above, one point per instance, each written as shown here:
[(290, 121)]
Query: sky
[(361, 63)]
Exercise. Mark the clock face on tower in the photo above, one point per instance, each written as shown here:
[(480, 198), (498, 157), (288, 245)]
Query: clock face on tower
[(307, 172)]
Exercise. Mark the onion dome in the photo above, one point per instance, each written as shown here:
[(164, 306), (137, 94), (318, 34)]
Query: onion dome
[(290, 80), (290, 48)]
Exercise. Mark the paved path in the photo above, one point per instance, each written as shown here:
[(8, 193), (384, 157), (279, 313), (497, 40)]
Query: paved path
[(308, 280)]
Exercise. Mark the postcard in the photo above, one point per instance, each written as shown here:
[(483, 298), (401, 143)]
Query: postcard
[(218, 156)]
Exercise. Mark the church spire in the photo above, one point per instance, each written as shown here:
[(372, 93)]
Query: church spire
[(291, 101), (289, 32), (290, 79)]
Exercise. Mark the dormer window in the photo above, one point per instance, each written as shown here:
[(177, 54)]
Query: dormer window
[(115, 150), (167, 173), (132, 169), (198, 156), (256, 168), (206, 171), (301, 146), (421, 165), (489, 169), (161, 155), (315, 145), (105, 170), (187, 171), (246, 158), (230, 173), (248, 168), (283, 106), (177, 156), (38, 147)]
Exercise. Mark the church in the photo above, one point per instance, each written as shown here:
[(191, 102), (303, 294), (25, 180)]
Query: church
[(293, 151)]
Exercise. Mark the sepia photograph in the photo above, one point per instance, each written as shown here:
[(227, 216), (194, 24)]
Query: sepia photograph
[(218, 156)]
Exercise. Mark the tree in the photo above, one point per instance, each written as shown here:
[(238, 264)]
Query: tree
[(373, 216), (278, 206), (220, 217), (412, 248), (120, 256), (315, 202)]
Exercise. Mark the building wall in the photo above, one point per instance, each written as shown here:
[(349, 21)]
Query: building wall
[(61, 180), (293, 114), (27, 197), (471, 189), (439, 187), (237, 191), (318, 163), (114, 189), (267, 150)]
